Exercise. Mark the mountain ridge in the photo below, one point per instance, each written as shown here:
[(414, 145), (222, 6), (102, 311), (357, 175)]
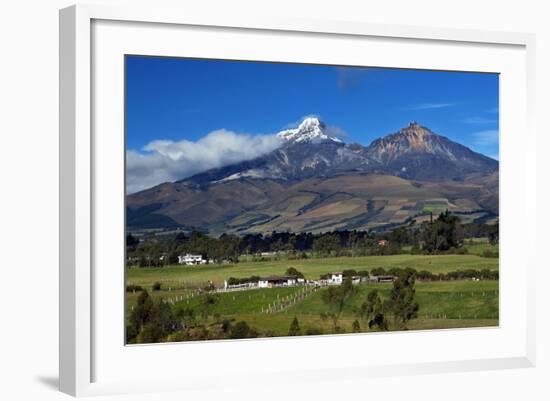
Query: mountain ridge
[(314, 182), (413, 152)]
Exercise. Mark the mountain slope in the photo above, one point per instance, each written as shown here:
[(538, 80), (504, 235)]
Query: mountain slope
[(310, 150), (316, 182), (416, 152), (307, 151)]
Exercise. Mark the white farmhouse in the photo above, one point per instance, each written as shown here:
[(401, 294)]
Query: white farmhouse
[(270, 282), (190, 259), (336, 278)]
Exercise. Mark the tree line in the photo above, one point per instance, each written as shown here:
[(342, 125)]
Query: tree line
[(445, 234)]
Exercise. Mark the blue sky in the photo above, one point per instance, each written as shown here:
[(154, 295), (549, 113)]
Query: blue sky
[(170, 100)]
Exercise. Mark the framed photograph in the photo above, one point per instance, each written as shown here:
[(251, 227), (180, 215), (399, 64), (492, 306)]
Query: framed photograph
[(276, 199)]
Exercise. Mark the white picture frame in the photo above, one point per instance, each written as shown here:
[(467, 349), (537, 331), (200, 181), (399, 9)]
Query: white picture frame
[(84, 355)]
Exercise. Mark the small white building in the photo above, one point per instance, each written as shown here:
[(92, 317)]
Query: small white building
[(190, 259), (270, 282), (336, 278), (249, 284), (382, 279)]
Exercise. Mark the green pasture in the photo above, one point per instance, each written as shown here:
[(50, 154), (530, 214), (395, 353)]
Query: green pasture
[(278, 324), (197, 276), (241, 302), (442, 304), (434, 207), (453, 299), (479, 246)]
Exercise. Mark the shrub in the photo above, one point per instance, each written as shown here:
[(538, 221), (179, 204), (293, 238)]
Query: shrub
[(379, 271), (242, 330), (157, 285), (356, 327), (426, 275), (294, 329), (291, 271), (487, 253)]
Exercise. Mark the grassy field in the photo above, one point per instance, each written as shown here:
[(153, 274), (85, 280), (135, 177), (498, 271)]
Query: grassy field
[(457, 299), (479, 246), (189, 276), (442, 305)]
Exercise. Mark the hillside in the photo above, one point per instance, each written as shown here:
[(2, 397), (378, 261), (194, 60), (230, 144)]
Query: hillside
[(316, 182)]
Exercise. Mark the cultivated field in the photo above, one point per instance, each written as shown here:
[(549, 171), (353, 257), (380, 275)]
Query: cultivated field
[(443, 304), (190, 276)]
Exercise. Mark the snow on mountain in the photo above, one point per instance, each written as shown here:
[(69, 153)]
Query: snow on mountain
[(310, 130), (315, 182), (414, 152)]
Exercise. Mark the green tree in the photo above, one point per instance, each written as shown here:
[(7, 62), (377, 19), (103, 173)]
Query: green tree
[(442, 234), (372, 311), (327, 244), (151, 333), (335, 297), (291, 271), (206, 303), (165, 317), (349, 273), (356, 327), (141, 314), (401, 301), (294, 329), (242, 330), (150, 321)]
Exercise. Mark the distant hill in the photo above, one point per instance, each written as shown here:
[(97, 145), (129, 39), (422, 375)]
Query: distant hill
[(316, 182)]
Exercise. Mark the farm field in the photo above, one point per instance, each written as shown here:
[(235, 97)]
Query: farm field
[(480, 245), (442, 304), (196, 276)]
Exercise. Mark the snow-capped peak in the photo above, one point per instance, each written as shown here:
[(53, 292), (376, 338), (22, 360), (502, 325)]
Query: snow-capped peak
[(311, 129)]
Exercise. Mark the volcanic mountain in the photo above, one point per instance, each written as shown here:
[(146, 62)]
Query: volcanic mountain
[(316, 182), (416, 152), (311, 150)]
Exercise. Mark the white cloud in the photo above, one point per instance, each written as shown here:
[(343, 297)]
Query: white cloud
[(429, 106), (165, 160), (295, 124), (479, 120), (336, 132), (486, 138)]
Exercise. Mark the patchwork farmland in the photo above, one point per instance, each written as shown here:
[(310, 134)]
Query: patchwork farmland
[(442, 304)]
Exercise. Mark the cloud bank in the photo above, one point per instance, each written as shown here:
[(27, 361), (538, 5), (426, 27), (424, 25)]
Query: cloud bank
[(479, 120), (163, 160), (486, 138), (430, 106), (486, 142)]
